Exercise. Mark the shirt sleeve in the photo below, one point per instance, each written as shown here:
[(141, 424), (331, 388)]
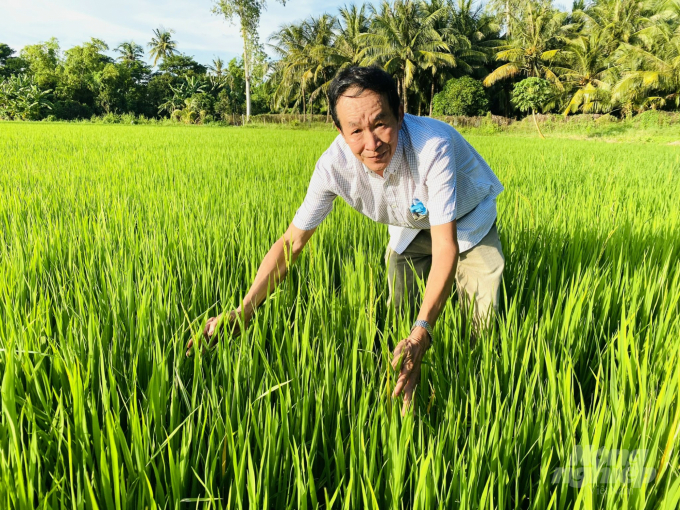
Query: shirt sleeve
[(441, 186), (318, 202)]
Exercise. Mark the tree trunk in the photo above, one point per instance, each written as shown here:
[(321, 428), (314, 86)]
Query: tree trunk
[(507, 18), (311, 109), (246, 69), (432, 95), (400, 89), (405, 95), (328, 108), (304, 105), (533, 113)]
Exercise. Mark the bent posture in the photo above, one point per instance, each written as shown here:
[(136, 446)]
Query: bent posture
[(417, 175)]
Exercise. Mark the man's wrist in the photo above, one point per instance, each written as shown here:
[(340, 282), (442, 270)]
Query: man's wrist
[(425, 325), (422, 330), (244, 312)]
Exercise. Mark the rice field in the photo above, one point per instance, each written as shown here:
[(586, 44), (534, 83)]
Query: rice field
[(118, 242)]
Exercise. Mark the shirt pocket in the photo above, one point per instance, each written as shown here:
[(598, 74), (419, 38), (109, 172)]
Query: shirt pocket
[(420, 192)]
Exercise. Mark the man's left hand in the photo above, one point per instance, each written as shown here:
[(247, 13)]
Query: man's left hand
[(410, 351)]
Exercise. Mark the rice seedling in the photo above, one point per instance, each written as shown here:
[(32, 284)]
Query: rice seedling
[(118, 242)]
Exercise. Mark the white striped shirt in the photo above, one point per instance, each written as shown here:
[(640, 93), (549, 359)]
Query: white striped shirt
[(432, 163)]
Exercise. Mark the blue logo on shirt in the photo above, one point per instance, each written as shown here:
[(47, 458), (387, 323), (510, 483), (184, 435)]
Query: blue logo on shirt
[(418, 209)]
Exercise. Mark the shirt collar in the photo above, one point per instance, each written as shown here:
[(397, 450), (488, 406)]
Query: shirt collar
[(397, 158)]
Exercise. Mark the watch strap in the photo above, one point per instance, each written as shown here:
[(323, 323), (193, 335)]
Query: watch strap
[(426, 325)]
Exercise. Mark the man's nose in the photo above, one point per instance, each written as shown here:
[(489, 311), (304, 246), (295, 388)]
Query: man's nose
[(371, 141)]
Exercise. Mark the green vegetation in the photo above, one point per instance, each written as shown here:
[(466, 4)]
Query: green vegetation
[(22, 99), (648, 127), (603, 56), (116, 242), (84, 82), (464, 96), (530, 95)]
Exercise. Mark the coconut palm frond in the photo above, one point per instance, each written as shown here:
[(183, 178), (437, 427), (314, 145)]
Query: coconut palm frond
[(509, 70)]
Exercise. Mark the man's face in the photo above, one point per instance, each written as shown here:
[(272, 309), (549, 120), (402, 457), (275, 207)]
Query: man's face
[(369, 127)]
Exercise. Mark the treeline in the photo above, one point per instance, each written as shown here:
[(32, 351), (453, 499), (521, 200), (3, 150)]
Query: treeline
[(44, 82), (448, 58)]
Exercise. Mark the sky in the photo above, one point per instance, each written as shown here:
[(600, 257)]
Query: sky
[(197, 31)]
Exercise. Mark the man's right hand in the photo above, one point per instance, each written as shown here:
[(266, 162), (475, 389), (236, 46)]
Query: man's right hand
[(214, 328)]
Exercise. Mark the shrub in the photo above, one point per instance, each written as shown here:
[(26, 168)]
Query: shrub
[(111, 118), (461, 96), (488, 126), (653, 119), (69, 109), (606, 119), (128, 118), (202, 102)]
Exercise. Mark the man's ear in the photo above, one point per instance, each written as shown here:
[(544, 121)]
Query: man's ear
[(337, 127)]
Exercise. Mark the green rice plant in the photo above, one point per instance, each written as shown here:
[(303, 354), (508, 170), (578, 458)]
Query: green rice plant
[(118, 242)]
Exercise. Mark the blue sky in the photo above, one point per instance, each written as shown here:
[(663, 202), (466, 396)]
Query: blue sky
[(197, 31)]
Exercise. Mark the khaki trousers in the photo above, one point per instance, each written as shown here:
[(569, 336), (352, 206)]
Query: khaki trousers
[(478, 276)]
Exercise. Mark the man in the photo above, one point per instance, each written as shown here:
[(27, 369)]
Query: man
[(417, 175)]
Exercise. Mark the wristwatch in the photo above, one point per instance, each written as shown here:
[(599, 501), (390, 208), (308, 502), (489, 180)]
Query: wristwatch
[(426, 325)]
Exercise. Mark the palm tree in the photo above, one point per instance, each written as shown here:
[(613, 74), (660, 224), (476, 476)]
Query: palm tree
[(313, 51), (162, 45), (334, 44), (586, 73), (533, 47), (630, 52), (352, 22), (403, 40), (652, 74), (620, 20), (320, 41), (480, 28), (217, 67), (293, 70), (466, 55), (130, 52), (501, 10)]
